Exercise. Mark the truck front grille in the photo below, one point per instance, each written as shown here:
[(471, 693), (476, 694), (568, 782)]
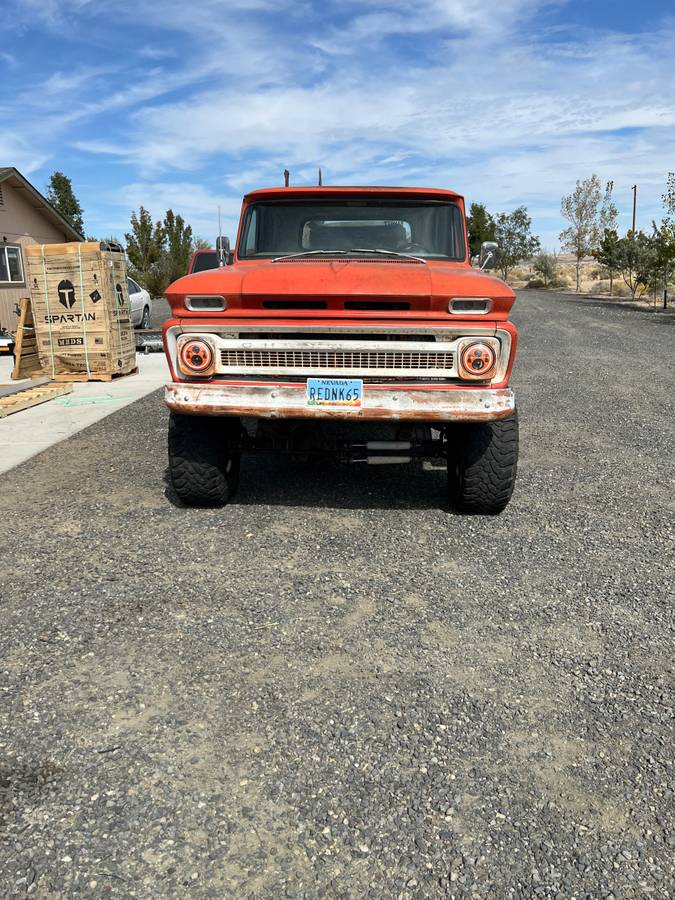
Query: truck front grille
[(334, 360)]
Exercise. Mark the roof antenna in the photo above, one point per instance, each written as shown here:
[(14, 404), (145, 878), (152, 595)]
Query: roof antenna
[(320, 178), (287, 177), (221, 261)]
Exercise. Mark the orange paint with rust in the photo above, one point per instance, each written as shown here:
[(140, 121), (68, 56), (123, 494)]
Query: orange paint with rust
[(314, 293)]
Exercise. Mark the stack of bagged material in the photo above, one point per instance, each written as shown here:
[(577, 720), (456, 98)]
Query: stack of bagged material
[(80, 302)]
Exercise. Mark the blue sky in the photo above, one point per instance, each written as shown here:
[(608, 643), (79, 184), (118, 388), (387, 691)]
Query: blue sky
[(166, 103)]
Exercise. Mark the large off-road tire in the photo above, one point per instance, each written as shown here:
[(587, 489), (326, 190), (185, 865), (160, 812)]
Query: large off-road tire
[(204, 458), (482, 463)]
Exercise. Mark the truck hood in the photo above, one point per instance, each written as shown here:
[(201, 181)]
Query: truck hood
[(338, 278), (425, 286)]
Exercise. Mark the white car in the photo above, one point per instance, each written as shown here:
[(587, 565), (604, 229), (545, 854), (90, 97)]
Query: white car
[(141, 305)]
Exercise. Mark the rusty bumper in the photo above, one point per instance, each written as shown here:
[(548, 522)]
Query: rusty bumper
[(272, 401)]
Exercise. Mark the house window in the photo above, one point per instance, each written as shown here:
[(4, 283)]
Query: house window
[(11, 265)]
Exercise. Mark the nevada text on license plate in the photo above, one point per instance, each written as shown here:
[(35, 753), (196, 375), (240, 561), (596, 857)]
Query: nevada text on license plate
[(341, 392)]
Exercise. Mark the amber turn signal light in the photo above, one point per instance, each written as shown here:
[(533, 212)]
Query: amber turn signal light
[(196, 357), (478, 360)]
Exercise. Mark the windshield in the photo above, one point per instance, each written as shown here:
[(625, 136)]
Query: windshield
[(428, 229)]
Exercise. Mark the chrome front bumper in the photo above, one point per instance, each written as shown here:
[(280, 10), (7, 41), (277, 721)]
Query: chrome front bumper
[(273, 401)]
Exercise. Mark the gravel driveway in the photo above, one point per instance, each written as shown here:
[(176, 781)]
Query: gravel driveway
[(337, 688)]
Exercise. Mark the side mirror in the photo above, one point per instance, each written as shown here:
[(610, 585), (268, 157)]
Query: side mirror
[(488, 255), (223, 249)]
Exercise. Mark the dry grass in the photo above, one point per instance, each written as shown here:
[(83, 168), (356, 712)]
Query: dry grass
[(593, 279)]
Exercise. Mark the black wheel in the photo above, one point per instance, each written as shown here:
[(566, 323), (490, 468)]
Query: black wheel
[(204, 456), (145, 320), (482, 463)]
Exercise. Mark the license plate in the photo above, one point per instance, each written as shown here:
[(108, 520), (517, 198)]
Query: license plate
[(336, 392)]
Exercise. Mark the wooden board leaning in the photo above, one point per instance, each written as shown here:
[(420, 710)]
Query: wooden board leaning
[(26, 356)]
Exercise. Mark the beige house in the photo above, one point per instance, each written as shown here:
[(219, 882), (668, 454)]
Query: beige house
[(26, 217)]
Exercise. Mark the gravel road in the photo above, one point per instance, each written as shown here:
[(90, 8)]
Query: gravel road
[(336, 688)]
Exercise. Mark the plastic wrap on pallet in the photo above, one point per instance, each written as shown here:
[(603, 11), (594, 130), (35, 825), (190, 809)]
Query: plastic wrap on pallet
[(81, 308)]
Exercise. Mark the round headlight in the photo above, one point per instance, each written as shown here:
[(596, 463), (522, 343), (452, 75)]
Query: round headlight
[(478, 360), (196, 356)]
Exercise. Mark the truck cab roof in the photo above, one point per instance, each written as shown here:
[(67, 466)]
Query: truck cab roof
[(305, 193)]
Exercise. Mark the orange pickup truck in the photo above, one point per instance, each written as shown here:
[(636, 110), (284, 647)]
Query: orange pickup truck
[(344, 305)]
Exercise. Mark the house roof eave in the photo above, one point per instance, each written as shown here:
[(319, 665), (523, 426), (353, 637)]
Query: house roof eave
[(37, 201)]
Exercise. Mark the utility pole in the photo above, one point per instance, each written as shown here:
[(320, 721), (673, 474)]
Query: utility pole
[(320, 178), (287, 177), (634, 189)]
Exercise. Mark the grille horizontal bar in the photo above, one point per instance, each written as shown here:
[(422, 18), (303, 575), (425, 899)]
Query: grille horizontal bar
[(307, 360)]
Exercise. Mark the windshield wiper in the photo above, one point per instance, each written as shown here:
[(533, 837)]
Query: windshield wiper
[(309, 253), (386, 252), (347, 252)]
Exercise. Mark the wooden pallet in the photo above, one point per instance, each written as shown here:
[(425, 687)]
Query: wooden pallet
[(95, 376), (30, 394)]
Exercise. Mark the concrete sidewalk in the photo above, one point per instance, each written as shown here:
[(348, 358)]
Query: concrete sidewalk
[(26, 433)]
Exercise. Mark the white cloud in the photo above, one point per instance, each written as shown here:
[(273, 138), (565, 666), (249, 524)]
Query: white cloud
[(488, 16), (196, 203), (148, 52), (376, 21), (531, 123), (498, 110), (16, 151)]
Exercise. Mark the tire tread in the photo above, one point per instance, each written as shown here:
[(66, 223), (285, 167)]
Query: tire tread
[(487, 456), (199, 448)]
